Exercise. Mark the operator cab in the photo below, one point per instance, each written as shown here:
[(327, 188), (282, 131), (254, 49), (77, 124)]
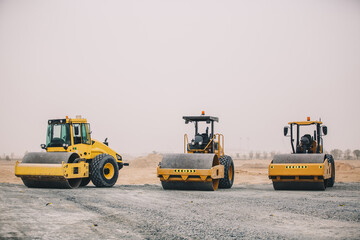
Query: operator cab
[(306, 143), (202, 141), (67, 132)]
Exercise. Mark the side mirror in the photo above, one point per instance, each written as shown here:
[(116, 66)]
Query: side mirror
[(286, 130), (43, 146), (186, 121), (65, 146), (324, 129)]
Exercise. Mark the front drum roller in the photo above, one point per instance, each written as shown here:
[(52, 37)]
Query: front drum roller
[(104, 170), (319, 185), (49, 158), (190, 162)]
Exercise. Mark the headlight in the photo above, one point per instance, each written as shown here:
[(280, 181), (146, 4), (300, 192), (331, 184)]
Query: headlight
[(118, 157)]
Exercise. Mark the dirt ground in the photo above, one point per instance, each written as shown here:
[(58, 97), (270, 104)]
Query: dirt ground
[(138, 208), (245, 211), (142, 170)]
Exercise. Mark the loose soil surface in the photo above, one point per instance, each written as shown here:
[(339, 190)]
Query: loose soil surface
[(148, 212), (138, 208)]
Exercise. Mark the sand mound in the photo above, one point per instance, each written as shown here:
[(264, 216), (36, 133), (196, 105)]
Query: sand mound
[(149, 161), (255, 165), (343, 166)]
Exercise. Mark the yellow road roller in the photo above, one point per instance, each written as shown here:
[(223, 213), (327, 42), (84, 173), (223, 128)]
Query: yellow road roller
[(71, 159), (203, 165), (307, 168)]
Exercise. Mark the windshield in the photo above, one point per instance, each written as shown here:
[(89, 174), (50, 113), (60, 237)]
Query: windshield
[(202, 128), (200, 134), (307, 130), (57, 135)]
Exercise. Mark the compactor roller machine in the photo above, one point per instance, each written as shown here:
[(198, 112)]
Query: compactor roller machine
[(307, 168), (71, 159), (203, 165)]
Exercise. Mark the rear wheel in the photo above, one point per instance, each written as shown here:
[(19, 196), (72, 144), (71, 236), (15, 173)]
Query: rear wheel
[(229, 172), (331, 181), (104, 171)]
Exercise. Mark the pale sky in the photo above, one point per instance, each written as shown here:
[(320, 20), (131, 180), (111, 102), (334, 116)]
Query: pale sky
[(134, 68)]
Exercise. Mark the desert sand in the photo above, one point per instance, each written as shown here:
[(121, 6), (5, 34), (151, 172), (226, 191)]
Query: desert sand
[(142, 170)]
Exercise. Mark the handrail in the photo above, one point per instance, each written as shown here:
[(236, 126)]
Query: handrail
[(186, 140), (220, 146), (220, 138)]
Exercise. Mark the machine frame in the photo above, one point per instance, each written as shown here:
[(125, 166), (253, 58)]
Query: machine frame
[(58, 165), (219, 172), (301, 167)]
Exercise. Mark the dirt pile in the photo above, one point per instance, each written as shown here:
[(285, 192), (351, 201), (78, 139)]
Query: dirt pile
[(343, 166), (149, 161)]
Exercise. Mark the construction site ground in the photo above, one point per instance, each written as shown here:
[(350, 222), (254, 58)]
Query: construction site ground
[(138, 208)]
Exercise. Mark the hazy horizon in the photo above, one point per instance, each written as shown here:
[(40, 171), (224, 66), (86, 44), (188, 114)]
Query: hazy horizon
[(134, 68)]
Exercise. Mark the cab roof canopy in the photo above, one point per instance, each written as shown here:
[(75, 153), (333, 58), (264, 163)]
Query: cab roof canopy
[(306, 122), (67, 120), (200, 118)]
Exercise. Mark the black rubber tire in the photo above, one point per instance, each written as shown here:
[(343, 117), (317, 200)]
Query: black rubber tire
[(331, 181), (97, 170), (228, 180)]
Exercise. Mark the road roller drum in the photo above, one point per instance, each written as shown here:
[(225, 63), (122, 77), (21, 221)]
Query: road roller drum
[(51, 170), (190, 171)]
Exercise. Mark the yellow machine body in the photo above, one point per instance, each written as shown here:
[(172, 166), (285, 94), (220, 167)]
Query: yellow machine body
[(86, 151), (59, 163), (199, 167), (191, 175), (305, 172), (307, 167), (66, 171)]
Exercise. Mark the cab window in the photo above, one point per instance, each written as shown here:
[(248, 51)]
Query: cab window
[(77, 134), (85, 133), (57, 135)]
